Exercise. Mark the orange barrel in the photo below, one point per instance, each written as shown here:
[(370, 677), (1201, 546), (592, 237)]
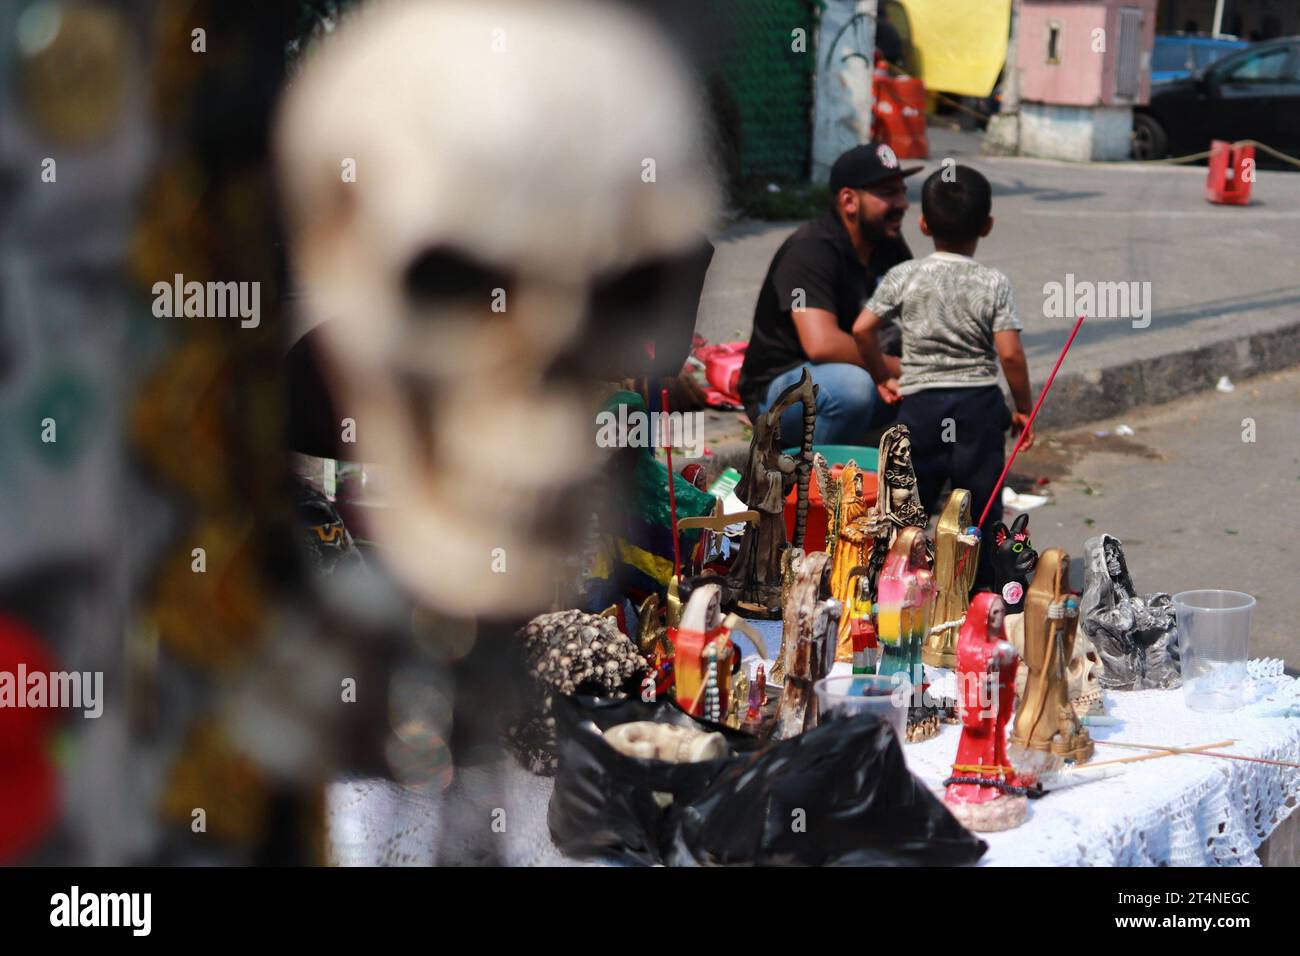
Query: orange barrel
[(1231, 174), (900, 115)]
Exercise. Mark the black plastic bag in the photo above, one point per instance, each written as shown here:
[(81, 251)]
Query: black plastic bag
[(838, 794), (607, 804)]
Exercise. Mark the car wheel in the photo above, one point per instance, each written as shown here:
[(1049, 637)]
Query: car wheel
[(1149, 140)]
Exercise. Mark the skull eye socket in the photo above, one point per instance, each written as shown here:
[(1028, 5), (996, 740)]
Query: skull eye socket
[(446, 275), (638, 289), (653, 302)]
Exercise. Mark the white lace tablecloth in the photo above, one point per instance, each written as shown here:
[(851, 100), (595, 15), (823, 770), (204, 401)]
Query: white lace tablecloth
[(1180, 810)]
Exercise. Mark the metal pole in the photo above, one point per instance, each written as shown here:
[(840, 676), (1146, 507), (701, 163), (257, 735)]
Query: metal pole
[(1218, 17)]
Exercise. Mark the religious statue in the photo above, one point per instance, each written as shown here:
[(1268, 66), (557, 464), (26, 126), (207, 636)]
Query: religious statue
[(808, 625), (898, 505), (829, 489), (861, 614), (704, 656), (852, 548), (1047, 730), (791, 562), (1135, 634), (904, 595), (757, 700), (984, 793), (1014, 559), (754, 581), (956, 556)]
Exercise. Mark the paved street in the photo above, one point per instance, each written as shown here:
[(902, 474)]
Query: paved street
[(1195, 506), (1216, 272)]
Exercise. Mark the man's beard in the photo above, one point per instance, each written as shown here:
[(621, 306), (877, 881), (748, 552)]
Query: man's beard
[(874, 230)]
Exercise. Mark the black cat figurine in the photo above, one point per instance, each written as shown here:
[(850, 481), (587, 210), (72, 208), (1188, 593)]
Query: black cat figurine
[(1014, 560)]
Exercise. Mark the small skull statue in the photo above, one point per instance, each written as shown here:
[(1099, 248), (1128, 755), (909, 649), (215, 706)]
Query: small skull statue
[(1084, 673), (468, 185), (647, 740)]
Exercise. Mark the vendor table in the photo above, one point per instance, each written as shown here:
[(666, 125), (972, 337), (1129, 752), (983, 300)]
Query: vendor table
[(1179, 810)]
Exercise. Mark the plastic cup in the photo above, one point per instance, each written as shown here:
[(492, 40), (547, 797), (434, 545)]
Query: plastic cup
[(1214, 636), (851, 694)]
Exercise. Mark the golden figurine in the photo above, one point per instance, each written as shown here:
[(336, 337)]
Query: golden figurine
[(852, 549), (739, 703), (956, 556), (829, 489), (1047, 730)]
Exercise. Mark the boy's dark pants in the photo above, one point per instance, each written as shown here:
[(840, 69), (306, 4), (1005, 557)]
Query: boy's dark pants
[(975, 422)]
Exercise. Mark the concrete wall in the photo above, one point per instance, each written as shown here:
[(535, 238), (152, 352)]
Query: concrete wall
[(843, 98), (1075, 133)]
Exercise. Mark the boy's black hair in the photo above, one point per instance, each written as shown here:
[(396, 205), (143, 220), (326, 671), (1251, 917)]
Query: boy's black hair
[(956, 210)]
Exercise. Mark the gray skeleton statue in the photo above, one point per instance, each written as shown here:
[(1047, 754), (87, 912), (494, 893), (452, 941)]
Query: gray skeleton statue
[(1135, 634)]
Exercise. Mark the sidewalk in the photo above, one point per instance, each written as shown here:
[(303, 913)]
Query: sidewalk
[(1224, 289), (1194, 504)]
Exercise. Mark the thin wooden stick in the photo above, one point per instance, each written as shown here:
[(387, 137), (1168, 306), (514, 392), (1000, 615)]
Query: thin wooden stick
[(1154, 756), (1197, 752)]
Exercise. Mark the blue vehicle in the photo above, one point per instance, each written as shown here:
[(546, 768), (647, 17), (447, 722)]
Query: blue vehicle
[(1180, 55)]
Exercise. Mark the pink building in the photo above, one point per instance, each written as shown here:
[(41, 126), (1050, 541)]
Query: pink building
[(1083, 65)]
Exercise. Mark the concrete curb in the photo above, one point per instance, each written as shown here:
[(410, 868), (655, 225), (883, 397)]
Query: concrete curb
[(1095, 394), (1080, 397)]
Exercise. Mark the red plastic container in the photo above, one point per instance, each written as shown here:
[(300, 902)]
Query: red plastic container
[(815, 534), (899, 115), (1232, 173)]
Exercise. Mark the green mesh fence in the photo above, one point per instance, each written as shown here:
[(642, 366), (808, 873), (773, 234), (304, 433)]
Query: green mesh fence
[(763, 89)]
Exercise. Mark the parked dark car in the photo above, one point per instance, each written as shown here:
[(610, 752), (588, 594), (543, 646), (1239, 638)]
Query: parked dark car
[(1179, 55), (1251, 94)]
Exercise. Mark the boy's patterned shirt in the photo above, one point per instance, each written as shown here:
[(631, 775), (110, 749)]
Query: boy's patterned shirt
[(948, 307)]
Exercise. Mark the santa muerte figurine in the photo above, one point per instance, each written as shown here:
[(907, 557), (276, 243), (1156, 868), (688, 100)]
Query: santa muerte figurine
[(861, 614), (1047, 730), (809, 624), (984, 793), (754, 582), (956, 556), (853, 543), (1135, 634), (898, 505), (903, 598), (704, 656)]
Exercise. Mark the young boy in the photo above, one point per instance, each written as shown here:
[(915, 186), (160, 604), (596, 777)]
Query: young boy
[(956, 316)]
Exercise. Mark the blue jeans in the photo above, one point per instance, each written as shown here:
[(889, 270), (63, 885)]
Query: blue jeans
[(848, 404)]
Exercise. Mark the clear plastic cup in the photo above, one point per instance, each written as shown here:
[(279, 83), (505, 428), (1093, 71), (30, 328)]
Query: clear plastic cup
[(1214, 637), (851, 694)]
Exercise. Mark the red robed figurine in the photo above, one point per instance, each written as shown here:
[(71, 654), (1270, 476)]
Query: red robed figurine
[(984, 792)]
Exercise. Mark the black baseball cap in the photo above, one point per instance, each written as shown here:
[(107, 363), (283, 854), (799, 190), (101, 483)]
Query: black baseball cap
[(865, 165)]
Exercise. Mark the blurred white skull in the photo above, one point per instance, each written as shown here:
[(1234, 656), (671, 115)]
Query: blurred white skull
[(511, 160)]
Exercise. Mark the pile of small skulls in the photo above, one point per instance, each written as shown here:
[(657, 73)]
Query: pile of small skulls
[(568, 652)]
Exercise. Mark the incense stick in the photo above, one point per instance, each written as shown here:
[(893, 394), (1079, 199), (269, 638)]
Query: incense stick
[(1200, 752), (1155, 756)]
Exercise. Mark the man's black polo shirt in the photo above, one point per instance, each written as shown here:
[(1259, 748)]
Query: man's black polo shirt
[(819, 259)]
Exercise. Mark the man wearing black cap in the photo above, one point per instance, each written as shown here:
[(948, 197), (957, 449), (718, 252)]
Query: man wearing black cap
[(817, 284)]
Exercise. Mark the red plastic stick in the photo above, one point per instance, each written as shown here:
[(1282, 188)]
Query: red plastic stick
[(672, 495), (997, 489)]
